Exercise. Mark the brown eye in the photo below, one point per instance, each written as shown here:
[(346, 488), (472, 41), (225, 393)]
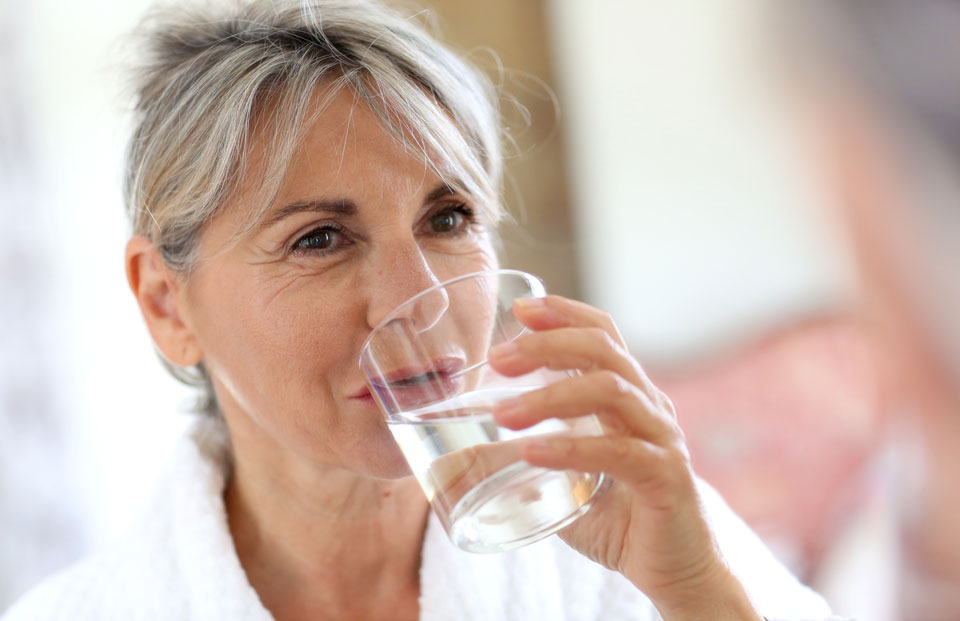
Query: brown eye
[(450, 220), (323, 239)]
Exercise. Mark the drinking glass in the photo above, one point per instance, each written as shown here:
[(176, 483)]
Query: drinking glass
[(426, 366)]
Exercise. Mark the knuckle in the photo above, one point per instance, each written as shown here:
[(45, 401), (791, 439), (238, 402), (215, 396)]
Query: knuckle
[(597, 335), (601, 339), (672, 428), (675, 477), (666, 403), (620, 449), (611, 383), (678, 456), (607, 319)]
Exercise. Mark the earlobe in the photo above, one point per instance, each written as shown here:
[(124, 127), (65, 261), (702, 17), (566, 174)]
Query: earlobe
[(156, 288)]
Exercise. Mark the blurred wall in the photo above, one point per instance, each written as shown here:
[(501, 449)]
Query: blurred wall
[(87, 414), (38, 516), (697, 224)]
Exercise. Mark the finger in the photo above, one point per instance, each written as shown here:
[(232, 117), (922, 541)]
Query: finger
[(621, 406), (554, 311), (586, 349), (629, 460)]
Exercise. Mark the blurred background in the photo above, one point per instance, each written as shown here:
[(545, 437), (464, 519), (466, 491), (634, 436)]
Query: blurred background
[(700, 170)]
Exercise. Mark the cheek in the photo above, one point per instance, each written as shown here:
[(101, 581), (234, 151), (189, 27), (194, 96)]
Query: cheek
[(472, 312), (481, 257), (273, 345)]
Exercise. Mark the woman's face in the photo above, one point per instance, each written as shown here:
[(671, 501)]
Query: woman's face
[(359, 226)]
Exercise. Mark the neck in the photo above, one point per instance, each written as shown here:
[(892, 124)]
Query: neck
[(313, 537)]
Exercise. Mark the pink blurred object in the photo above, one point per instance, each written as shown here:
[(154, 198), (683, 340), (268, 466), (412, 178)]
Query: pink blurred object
[(784, 428)]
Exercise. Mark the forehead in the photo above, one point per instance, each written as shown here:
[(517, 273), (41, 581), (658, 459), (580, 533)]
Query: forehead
[(343, 151), (347, 148)]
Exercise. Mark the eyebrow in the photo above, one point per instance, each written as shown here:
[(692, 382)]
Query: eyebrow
[(343, 206), (441, 191)]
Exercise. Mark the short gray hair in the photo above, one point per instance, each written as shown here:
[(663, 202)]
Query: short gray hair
[(210, 73)]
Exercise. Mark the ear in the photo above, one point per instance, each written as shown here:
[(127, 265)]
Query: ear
[(157, 290)]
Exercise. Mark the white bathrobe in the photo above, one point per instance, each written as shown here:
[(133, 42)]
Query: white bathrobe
[(179, 563)]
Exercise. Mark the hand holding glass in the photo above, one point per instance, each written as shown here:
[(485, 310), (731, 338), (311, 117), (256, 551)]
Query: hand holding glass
[(426, 365)]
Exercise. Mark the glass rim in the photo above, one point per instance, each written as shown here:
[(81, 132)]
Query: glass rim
[(441, 285)]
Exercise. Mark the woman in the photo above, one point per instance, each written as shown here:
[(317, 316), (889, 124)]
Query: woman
[(297, 171)]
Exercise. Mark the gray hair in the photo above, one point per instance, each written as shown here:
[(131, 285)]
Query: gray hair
[(211, 73)]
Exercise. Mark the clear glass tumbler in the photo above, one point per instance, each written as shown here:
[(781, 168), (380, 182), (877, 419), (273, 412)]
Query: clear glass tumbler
[(426, 365)]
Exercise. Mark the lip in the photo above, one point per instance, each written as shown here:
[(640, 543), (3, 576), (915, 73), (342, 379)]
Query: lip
[(363, 395), (412, 374), (414, 385)]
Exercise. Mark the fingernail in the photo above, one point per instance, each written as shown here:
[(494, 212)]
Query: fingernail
[(504, 350), (509, 407), (530, 303)]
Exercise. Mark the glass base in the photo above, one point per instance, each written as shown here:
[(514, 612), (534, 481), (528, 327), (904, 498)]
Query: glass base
[(519, 505)]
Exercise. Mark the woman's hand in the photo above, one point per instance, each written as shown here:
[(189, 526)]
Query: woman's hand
[(650, 525)]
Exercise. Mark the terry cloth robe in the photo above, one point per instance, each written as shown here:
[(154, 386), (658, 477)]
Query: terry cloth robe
[(179, 563)]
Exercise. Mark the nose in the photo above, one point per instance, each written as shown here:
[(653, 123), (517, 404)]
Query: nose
[(401, 271)]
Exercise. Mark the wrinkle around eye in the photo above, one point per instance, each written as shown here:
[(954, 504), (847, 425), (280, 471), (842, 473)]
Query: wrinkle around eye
[(308, 260), (469, 241), (283, 288), (303, 270)]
